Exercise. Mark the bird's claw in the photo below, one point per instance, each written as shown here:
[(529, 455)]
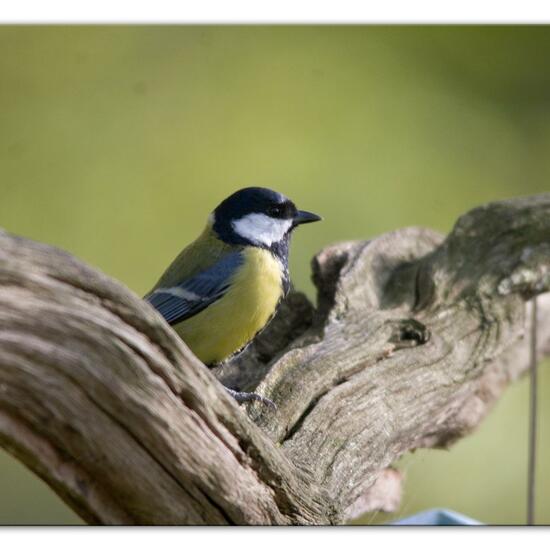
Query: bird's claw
[(245, 397)]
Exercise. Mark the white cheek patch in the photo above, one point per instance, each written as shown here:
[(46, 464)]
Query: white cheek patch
[(261, 229)]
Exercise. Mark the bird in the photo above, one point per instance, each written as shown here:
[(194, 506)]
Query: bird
[(225, 287)]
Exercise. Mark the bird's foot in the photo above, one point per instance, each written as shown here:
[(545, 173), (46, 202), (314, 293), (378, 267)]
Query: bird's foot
[(244, 397)]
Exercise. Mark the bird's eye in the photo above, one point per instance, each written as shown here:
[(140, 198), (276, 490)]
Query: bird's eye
[(275, 211)]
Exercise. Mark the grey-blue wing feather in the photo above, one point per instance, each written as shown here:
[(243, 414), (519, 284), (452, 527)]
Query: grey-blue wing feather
[(191, 296)]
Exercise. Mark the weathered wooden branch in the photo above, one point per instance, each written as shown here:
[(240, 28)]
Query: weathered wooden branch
[(413, 339)]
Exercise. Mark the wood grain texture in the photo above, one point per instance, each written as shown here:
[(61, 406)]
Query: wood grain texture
[(412, 340)]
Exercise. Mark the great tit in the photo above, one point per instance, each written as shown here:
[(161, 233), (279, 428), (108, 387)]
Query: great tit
[(226, 286)]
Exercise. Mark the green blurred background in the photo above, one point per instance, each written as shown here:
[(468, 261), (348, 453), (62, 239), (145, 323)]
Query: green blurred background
[(116, 142)]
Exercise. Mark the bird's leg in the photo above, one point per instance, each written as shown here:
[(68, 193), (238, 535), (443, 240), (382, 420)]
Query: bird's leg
[(244, 397)]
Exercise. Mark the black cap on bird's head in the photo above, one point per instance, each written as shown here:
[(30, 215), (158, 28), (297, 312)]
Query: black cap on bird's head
[(259, 217)]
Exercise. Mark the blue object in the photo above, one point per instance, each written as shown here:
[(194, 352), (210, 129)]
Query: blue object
[(437, 516)]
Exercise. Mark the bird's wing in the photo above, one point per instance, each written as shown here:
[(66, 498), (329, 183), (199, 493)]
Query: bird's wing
[(189, 297), (200, 255)]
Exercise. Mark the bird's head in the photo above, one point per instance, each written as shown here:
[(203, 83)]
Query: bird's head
[(259, 217)]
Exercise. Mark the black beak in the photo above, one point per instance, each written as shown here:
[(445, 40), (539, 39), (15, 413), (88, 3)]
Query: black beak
[(305, 217)]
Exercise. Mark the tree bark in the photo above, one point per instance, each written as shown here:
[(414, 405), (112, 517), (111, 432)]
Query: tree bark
[(412, 340)]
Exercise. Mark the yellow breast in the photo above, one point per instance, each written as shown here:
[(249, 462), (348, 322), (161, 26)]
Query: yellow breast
[(229, 324)]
